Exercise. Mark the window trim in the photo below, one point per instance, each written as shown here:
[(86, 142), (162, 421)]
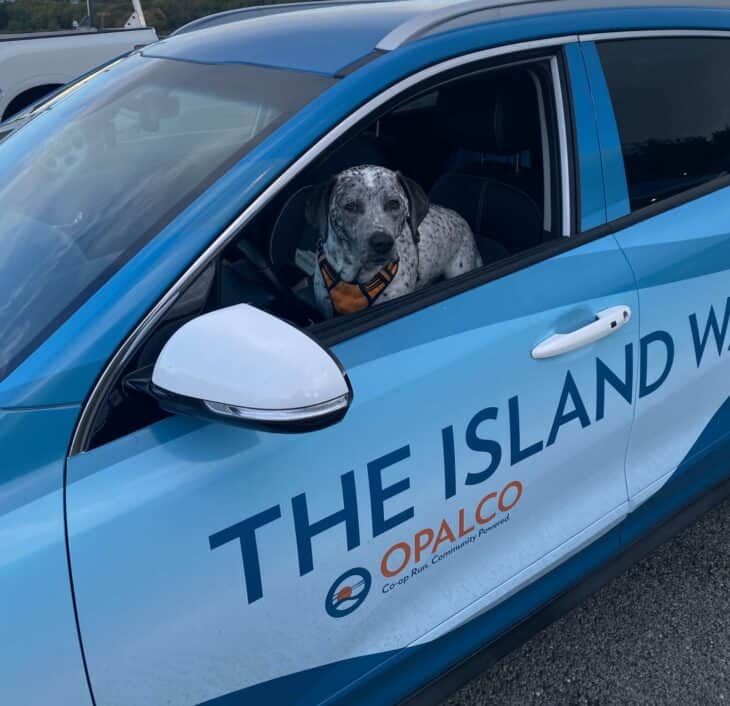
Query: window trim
[(368, 319), (643, 33)]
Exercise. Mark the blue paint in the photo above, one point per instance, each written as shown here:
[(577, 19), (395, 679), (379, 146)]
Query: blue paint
[(245, 533), (41, 657), (306, 530), (149, 490), (590, 173), (712, 329), (675, 260), (309, 508), (310, 686), (667, 343), (614, 176), (395, 675), (379, 494)]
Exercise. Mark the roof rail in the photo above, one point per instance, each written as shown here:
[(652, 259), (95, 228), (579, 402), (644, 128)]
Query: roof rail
[(422, 23), (246, 13), (468, 12)]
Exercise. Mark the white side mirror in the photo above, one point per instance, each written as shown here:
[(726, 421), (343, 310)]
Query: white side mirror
[(244, 366)]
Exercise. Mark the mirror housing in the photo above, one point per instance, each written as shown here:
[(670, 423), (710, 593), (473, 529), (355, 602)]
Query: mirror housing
[(243, 366)]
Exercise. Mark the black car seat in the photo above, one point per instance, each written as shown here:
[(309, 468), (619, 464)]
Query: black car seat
[(493, 176)]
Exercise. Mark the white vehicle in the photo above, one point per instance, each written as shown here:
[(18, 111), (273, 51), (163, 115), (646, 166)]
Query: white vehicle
[(33, 65)]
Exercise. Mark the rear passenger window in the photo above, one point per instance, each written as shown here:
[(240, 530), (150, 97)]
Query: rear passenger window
[(670, 97)]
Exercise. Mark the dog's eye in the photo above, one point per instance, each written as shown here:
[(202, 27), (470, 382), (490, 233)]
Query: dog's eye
[(352, 206), (392, 205)]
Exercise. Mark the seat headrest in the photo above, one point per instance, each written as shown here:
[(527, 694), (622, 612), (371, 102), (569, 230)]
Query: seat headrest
[(492, 209), (494, 113), (292, 230)]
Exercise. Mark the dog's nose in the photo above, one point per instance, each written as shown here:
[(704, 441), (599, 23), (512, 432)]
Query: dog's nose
[(381, 242)]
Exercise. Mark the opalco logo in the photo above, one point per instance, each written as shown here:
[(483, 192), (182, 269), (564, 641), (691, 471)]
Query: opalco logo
[(348, 592)]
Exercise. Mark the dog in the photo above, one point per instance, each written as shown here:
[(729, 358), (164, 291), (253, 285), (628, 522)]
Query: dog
[(381, 238)]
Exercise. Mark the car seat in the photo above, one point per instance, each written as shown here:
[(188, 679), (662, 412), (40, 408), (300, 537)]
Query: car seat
[(494, 170)]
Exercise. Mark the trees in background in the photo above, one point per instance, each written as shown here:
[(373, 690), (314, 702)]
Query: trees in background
[(39, 15)]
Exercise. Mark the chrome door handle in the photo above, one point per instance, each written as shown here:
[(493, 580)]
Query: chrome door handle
[(607, 321)]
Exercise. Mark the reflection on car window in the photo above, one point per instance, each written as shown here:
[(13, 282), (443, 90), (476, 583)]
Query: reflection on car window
[(673, 115), (94, 173)]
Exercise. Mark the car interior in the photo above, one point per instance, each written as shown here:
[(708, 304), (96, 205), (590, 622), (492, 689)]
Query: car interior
[(483, 145)]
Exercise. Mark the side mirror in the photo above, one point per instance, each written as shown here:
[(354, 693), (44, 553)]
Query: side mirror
[(243, 366)]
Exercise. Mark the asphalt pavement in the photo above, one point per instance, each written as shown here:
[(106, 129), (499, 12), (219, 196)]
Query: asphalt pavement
[(658, 634)]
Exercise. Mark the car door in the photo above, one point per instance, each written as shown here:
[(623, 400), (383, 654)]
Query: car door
[(216, 564), (665, 121)]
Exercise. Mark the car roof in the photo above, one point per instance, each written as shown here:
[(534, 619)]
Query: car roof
[(318, 37), (331, 35)]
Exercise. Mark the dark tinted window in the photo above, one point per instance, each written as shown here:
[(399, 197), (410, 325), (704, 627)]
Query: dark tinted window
[(672, 106)]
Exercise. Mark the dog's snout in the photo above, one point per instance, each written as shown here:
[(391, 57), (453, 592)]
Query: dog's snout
[(381, 242)]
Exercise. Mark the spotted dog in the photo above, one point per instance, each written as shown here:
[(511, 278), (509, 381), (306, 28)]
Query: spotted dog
[(380, 238)]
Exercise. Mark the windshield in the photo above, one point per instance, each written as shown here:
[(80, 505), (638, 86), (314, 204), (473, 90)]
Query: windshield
[(93, 174)]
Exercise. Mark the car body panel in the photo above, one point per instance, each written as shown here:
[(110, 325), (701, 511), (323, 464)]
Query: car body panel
[(158, 499), (403, 674), (138, 498), (680, 259), (612, 161), (588, 150), (41, 659)]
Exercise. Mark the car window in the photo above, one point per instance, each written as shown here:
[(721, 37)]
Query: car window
[(670, 100), (94, 173), (480, 154), (474, 159)]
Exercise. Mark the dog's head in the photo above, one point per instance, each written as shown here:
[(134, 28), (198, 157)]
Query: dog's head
[(360, 213)]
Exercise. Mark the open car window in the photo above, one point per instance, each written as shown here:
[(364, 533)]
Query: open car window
[(478, 153), (483, 151)]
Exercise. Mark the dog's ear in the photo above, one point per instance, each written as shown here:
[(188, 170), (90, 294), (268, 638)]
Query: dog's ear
[(418, 203), (316, 209)]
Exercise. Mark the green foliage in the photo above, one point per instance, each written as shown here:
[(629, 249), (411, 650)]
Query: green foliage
[(39, 15), (164, 15)]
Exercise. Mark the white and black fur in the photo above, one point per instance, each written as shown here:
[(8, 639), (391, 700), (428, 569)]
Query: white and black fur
[(367, 216)]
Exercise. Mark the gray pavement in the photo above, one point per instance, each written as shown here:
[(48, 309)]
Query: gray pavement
[(658, 634)]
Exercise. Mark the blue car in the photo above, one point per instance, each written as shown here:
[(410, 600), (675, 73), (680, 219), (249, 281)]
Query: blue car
[(213, 491)]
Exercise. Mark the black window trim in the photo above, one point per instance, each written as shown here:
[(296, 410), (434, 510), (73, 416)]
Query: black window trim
[(333, 332)]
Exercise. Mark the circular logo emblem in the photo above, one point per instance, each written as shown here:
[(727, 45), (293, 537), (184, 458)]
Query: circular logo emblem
[(348, 592)]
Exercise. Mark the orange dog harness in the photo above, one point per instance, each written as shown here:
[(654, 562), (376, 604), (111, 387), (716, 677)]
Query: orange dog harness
[(349, 297)]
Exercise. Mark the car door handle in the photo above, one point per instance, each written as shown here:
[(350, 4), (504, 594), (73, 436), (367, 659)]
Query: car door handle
[(607, 321)]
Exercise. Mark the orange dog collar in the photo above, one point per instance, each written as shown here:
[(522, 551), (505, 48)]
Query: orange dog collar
[(349, 297)]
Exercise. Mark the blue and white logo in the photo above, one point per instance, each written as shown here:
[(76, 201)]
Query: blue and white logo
[(348, 592)]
